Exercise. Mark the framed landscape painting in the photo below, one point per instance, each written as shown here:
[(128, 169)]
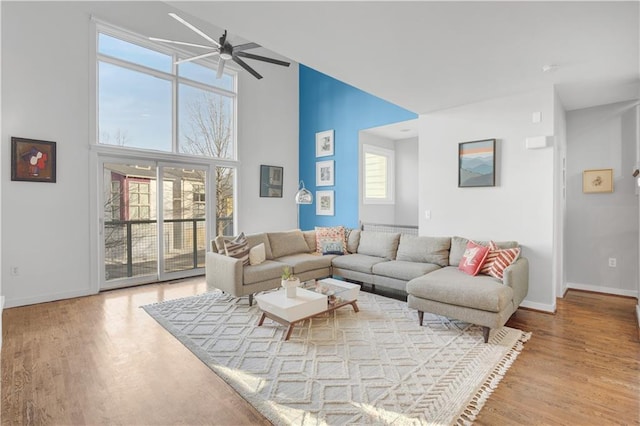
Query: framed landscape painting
[(33, 160), (477, 163)]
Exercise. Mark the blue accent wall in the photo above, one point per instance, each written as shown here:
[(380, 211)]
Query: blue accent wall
[(325, 104)]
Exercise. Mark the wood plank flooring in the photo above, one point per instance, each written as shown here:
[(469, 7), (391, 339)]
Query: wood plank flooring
[(102, 360)]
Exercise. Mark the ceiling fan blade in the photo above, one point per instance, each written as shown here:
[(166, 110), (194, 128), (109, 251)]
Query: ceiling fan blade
[(206, 55), (245, 46), (220, 68), (261, 58), (244, 65), (182, 43), (194, 29)]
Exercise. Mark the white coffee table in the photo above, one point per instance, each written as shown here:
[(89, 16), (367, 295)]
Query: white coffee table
[(307, 304)]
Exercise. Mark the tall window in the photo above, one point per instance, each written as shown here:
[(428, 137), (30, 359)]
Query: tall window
[(147, 102), (378, 175)]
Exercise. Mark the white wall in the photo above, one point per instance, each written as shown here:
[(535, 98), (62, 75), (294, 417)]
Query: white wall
[(560, 199), (519, 207), (406, 209), (45, 79), (602, 226)]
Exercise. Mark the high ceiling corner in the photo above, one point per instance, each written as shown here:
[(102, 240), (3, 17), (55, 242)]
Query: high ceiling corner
[(427, 56)]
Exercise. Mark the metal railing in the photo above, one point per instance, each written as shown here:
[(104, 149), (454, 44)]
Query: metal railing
[(131, 246)]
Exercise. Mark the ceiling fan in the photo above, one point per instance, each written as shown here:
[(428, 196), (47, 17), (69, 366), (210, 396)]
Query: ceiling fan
[(223, 48)]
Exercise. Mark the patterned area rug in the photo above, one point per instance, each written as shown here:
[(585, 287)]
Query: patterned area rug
[(377, 366)]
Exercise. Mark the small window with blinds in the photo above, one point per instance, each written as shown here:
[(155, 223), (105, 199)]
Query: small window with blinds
[(377, 175)]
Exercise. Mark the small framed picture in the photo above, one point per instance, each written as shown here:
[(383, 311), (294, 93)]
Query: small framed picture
[(33, 160), (324, 203), (477, 163), (324, 173), (597, 181), (271, 181), (324, 143)]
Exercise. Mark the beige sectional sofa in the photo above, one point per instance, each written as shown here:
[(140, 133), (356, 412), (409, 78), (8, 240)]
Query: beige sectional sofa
[(426, 268)]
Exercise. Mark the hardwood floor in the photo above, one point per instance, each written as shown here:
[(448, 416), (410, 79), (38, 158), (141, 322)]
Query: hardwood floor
[(103, 360)]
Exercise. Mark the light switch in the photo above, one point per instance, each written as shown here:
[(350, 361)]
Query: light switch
[(536, 117), (427, 214)]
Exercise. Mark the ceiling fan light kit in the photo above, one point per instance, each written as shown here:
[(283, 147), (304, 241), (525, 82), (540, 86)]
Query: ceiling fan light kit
[(223, 49)]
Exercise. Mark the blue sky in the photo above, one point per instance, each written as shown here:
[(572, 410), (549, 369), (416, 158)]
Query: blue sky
[(138, 105)]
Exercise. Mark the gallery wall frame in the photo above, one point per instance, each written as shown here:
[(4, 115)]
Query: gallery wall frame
[(324, 143), (477, 163), (325, 203), (597, 181), (33, 160), (325, 173), (271, 178)]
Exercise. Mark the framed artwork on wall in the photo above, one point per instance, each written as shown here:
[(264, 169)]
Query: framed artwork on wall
[(324, 173), (477, 163), (324, 143), (597, 181), (324, 203), (271, 178), (33, 160)]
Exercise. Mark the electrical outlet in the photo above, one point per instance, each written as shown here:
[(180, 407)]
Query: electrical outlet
[(613, 262), (15, 271)]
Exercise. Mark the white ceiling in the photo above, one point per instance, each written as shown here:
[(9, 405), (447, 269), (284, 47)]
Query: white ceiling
[(427, 56)]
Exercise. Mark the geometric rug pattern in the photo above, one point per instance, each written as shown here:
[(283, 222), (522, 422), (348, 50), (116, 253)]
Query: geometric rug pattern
[(376, 366)]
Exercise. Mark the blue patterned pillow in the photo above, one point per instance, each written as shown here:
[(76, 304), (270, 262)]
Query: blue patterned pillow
[(332, 247)]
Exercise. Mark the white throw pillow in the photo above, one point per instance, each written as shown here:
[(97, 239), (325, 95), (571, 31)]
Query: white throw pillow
[(257, 254)]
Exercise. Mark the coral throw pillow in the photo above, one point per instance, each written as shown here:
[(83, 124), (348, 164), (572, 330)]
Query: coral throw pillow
[(473, 258), (503, 259), (491, 257), (330, 235)]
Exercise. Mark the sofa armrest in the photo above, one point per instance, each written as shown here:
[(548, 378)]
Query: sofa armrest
[(224, 273), (516, 276)]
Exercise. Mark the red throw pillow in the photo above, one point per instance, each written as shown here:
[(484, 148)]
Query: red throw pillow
[(473, 258), (503, 260), (491, 257)]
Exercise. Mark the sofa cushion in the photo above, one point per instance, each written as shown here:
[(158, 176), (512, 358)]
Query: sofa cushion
[(380, 244), (304, 262), (459, 245), (267, 270), (353, 239), (473, 258), (357, 262), (334, 235), (286, 243), (451, 285), (237, 248), (424, 249), (403, 270), (310, 238)]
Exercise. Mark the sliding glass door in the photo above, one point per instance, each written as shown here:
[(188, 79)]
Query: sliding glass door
[(154, 221)]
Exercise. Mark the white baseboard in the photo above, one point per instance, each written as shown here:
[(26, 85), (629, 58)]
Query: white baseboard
[(24, 301), (601, 289), (539, 306), (638, 313)]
